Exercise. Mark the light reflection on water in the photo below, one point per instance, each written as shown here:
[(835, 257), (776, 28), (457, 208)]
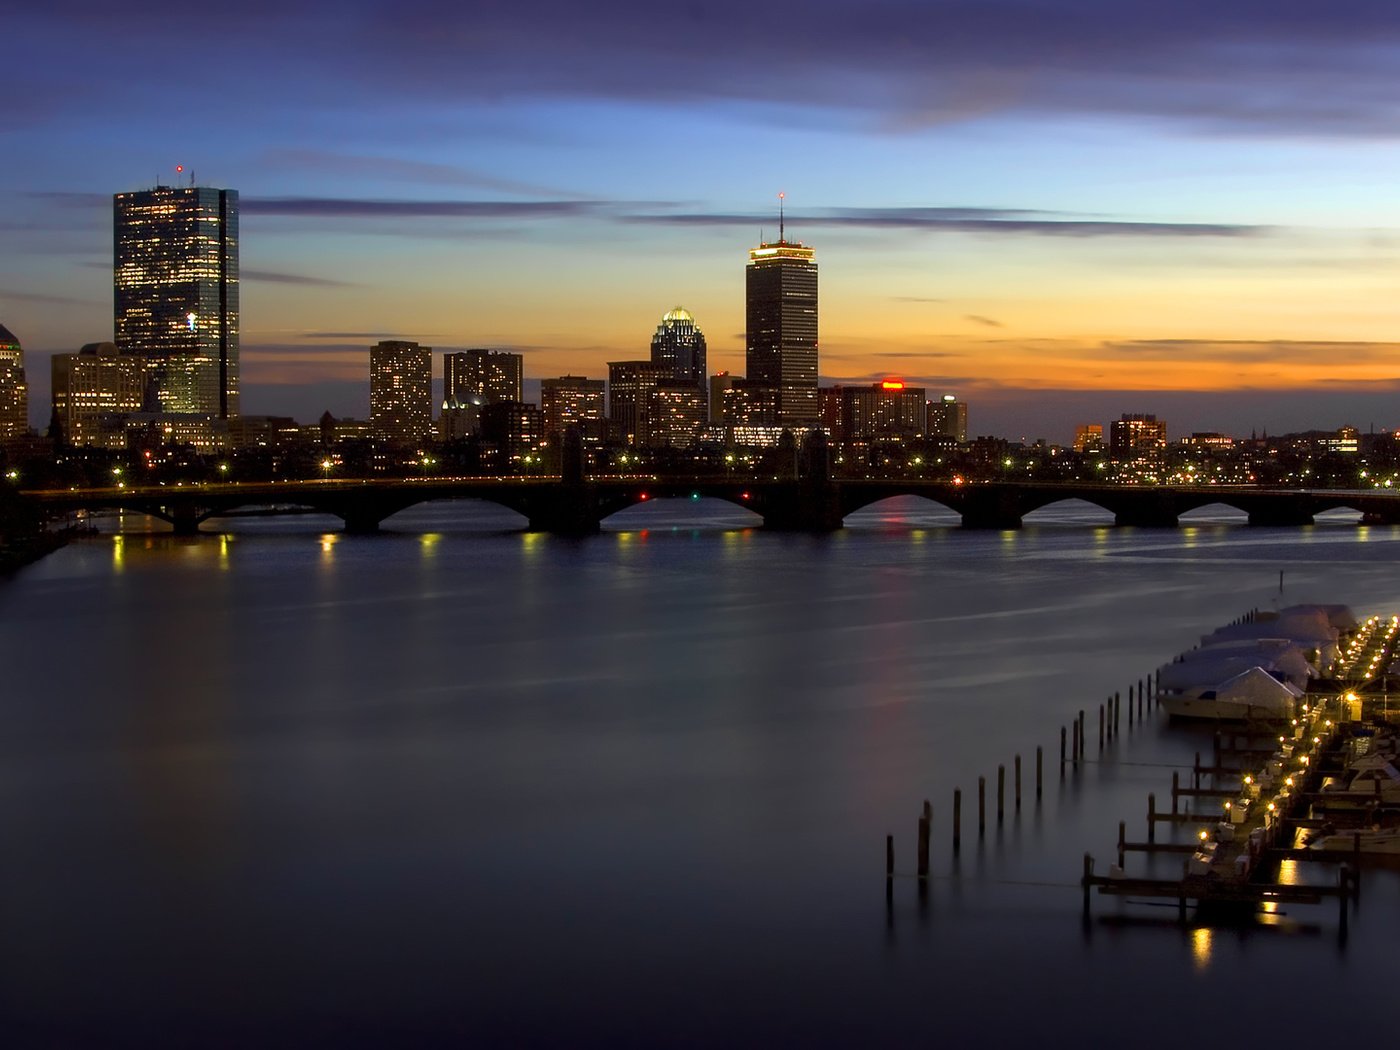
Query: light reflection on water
[(406, 782)]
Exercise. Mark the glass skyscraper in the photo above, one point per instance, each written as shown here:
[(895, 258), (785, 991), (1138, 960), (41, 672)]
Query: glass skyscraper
[(175, 277), (14, 392), (678, 348), (781, 336)]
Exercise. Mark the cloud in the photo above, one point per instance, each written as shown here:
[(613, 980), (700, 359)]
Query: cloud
[(959, 220), (1250, 66), (376, 208), (915, 299), (396, 168), (41, 298), (272, 277), (1249, 351), (985, 321)]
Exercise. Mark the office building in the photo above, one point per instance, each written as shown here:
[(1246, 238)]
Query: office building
[(947, 417), (1088, 437), (14, 392), (573, 401), (678, 349), (93, 390), (720, 384), (512, 433), (175, 281), (630, 384), (888, 410), (675, 414), (1136, 437), (401, 393), (487, 375), (781, 327)]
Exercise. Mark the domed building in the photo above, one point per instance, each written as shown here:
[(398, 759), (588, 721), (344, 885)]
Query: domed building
[(14, 393), (678, 349)]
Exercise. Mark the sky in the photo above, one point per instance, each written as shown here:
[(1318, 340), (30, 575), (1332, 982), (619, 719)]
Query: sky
[(1058, 210)]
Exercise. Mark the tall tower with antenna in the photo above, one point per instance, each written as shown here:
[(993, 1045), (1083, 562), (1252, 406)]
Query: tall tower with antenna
[(175, 290), (781, 324)]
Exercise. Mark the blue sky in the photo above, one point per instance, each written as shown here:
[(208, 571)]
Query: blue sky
[(1058, 210)]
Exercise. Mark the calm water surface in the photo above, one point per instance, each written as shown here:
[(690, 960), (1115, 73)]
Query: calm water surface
[(460, 783)]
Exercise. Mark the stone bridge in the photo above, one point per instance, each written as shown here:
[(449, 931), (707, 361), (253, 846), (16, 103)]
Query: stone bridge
[(578, 506)]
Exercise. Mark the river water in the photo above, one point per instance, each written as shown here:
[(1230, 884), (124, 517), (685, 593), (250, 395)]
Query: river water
[(456, 782)]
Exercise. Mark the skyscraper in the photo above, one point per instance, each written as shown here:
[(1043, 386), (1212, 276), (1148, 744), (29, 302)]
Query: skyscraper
[(947, 417), (401, 392), (678, 348), (781, 316), (175, 278), (630, 384), (92, 386), (14, 392)]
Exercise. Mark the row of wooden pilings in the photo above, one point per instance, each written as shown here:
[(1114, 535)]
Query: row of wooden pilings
[(1141, 700)]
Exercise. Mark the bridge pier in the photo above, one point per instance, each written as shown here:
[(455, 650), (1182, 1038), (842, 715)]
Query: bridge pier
[(1280, 516), (1146, 518), (569, 510), (185, 521), (804, 506), (998, 508)]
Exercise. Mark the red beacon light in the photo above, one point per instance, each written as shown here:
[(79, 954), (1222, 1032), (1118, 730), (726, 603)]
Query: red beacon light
[(892, 384)]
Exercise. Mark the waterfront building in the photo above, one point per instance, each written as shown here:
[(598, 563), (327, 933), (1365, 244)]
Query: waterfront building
[(1137, 437), (14, 392), (175, 284), (630, 384), (573, 401), (482, 377), (401, 392), (781, 327), (947, 417), (93, 389), (678, 349), (460, 419)]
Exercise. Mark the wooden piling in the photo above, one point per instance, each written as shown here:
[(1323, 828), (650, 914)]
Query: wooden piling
[(957, 819), (1117, 711), (1131, 694), (889, 860), (1176, 786), (1101, 726), (981, 806), (924, 820), (1081, 734), (1122, 840), (1151, 819), (1063, 734), (1086, 882), (1040, 762), (1018, 783)]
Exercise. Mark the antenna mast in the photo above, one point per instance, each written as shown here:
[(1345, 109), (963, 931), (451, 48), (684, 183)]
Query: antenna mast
[(782, 236)]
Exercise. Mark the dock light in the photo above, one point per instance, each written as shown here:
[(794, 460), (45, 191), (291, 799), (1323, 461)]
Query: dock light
[(1288, 781), (1295, 721), (1247, 780), (1271, 807), (1305, 760), (1228, 805), (1204, 835)]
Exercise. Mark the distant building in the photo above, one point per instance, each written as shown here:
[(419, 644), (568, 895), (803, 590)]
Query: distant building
[(1088, 437), (175, 279), (880, 411), (573, 401), (14, 392), (490, 375), (676, 412), (630, 384), (1137, 437), (1209, 440), (781, 327), (401, 392), (720, 384), (947, 417), (511, 434), (93, 387), (678, 349)]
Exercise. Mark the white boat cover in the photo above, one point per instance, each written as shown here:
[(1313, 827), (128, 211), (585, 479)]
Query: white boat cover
[(1257, 688), (1205, 669)]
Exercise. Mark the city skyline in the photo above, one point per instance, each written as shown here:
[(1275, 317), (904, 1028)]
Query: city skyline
[(1059, 213)]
